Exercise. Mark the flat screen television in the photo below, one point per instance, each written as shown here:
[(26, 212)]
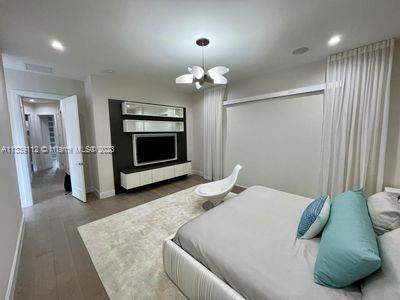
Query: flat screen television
[(154, 148)]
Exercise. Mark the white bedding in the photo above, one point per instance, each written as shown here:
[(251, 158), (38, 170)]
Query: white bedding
[(250, 243)]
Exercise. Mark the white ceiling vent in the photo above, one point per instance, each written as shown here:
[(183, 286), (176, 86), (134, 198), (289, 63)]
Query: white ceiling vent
[(38, 68)]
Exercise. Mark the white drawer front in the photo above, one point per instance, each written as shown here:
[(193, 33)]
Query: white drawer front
[(169, 172), (158, 174), (187, 168), (179, 170), (130, 180), (145, 177), (123, 180)]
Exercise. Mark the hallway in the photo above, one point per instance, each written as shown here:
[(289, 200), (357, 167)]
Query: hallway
[(47, 184)]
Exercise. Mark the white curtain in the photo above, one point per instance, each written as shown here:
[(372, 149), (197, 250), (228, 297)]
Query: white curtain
[(355, 121), (212, 139)]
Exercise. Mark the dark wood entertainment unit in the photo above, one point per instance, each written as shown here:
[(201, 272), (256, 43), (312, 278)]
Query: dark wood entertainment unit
[(134, 117)]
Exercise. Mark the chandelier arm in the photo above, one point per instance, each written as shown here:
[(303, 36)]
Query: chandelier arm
[(204, 64)]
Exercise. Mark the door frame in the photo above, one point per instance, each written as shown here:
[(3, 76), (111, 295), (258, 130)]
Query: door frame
[(19, 139)]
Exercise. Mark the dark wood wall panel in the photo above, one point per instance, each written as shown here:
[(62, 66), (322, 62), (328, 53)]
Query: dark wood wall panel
[(122, 141)]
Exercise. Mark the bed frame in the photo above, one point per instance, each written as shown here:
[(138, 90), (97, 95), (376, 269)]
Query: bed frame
[(192, 278)]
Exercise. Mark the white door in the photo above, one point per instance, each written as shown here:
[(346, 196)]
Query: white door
[(70, 117)]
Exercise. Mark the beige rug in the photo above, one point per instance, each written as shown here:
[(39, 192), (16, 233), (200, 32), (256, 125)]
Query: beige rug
[(126, 248)]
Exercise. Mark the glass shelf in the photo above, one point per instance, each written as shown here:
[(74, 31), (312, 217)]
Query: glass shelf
[(144, 109), (152, 126)]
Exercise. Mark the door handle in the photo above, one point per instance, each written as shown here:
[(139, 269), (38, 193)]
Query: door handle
[(80, 164)]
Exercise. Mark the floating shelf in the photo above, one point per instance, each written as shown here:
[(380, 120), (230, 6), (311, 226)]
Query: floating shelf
[(144, 109), (152, 126)]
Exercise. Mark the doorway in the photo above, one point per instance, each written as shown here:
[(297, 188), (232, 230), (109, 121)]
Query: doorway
[(44, 130), (44, 124)]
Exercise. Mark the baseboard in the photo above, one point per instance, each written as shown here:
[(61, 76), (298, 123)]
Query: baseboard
[(197, 172), (14, 268), (105, 194), (96, 192), (241, 186)]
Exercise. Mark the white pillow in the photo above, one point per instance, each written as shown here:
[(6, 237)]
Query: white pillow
[(384, 210), (385, 283)]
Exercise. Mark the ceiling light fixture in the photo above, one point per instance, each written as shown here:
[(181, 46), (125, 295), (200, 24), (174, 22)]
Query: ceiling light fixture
[(57, 45), (31, 100), (109, 71), (334, 40), (197, 74)]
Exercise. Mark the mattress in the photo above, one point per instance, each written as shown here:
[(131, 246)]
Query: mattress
[(250, 243)]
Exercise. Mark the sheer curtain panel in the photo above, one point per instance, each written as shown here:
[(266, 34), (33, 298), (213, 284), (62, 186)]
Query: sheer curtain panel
[(355, 121), (212, 139)]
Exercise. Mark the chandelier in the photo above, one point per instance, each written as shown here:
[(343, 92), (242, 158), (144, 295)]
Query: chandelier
[(197, 74)]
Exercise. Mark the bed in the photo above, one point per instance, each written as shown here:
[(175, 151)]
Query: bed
[(246, 248)]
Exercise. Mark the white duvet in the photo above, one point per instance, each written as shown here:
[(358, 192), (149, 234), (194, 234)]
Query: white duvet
[(250, 243)]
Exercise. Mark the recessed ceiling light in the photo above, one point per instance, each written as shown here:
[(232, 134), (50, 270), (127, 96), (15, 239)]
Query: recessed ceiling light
[(300, 50), (109, 71), (334, 40), (31, 100), (57, 45)]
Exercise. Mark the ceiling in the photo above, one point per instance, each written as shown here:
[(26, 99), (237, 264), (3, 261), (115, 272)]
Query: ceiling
[(155, 40)]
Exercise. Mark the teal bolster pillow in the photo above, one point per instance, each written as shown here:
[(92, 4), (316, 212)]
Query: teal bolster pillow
[(348, 250)]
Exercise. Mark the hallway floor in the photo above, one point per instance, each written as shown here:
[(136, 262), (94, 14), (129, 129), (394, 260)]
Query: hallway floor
[(47, 184), (54, 261)]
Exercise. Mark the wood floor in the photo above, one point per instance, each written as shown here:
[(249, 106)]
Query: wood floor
[(47, 184), (54, 261)]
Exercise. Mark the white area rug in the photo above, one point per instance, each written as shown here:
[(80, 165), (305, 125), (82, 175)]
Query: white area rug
[(126, 248)]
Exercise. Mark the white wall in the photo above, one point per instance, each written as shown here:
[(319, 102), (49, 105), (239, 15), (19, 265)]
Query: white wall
[(309, 74), (28, 81), (10, 208), (278, 142), (263, 136), (101, 88), (91, 138)]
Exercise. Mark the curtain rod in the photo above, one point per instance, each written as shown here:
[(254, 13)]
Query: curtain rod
[(298, 91)]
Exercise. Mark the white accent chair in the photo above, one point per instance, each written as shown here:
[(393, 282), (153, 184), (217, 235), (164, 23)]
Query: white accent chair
[(216, 191)]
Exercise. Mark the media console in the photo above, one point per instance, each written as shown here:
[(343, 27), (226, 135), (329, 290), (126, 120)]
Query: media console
[(133, 178)]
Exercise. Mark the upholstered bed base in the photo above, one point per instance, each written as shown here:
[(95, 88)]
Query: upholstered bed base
[(192, 278)]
